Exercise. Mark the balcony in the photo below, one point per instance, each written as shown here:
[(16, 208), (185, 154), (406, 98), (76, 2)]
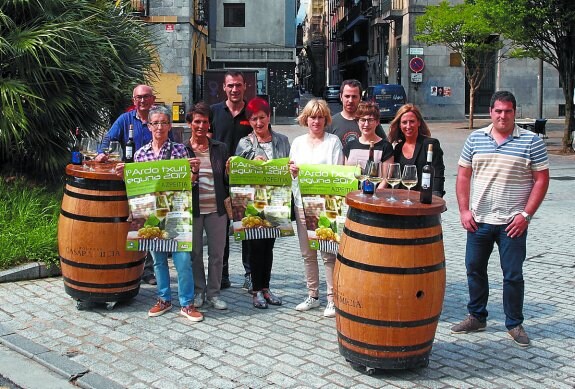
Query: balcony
[(390, 9), (201, 12), (140, 8), (353, 53)]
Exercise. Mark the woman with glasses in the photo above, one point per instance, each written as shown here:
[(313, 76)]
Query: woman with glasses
[(367, 116), (160, 148), (262, 144), (208, 207), (411, 137), (315, 147)]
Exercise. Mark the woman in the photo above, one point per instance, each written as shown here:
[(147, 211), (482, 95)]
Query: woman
[(262, 144), (315, 147), (411, 136), (208, 207), (367, 116), (160, 123)]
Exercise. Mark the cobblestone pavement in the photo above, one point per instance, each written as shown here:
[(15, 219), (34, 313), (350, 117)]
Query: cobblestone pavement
[(279, 347)]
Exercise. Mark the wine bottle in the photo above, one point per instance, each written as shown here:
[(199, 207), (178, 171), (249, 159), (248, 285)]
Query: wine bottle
[(427, 174), (130, 146), (369, 186), (77, 157)]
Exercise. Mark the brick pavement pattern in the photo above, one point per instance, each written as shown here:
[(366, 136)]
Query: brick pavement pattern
[(244, 347)]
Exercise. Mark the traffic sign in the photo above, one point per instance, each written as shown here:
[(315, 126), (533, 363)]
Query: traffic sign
[(416, 64)]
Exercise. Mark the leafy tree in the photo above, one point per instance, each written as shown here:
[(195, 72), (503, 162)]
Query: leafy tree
[(542, 29), (463, 29), (63, 64)]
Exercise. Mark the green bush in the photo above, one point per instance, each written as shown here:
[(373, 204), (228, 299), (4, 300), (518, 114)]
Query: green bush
[(29, 219)]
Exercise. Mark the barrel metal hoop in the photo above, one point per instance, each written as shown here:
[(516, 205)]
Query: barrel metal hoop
[(376, 347), (388, 269), (393, 221), (83, 196), (114, 266), (388, 323), (88, 183), (102, 286), (392, 241), (93, 219)]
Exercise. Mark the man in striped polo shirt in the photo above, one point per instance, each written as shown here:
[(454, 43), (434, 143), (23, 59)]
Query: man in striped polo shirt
[(509, 170)]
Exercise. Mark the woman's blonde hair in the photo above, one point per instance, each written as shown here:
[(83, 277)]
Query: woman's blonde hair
[(395, 133), (315, 107)]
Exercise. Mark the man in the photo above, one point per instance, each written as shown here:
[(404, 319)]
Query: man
[(143, 98), (229, 125), (509, 169), (344, 124)]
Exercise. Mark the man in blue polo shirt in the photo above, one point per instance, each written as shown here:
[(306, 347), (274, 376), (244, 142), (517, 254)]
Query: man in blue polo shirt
[(228, 124), (143, 98), (509, 170)]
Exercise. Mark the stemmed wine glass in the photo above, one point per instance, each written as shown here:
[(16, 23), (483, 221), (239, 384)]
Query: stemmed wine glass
[(393, 179), (409, 180), (373, 173), (360, 174), (89, 149), (114, 152)]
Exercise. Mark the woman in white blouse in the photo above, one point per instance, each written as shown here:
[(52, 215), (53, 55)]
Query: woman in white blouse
[(315, 147)]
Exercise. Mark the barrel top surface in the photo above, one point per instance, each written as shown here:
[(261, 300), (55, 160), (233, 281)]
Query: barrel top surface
[(102, 171), (381, 205)]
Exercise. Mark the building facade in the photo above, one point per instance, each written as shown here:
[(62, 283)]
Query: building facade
[(374, 42), (260, 35)]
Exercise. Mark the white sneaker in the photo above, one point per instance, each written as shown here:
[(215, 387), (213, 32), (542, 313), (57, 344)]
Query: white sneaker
[(199, 300), (308, 304), (217, 303), (329, 309)]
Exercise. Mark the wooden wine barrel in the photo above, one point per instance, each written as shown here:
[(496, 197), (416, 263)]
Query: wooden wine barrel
[(92, 232), (389, 281)]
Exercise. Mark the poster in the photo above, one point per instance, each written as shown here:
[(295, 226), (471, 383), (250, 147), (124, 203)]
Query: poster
[(323, 189), (160, 200), (261, 198)]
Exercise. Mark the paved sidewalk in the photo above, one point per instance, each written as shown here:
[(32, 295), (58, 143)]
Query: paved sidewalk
[(280, 347)]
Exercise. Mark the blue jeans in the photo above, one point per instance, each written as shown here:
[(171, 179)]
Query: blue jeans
[(512, 252), (183, 266)]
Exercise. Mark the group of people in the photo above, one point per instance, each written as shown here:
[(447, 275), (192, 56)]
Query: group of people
[(506, 165)]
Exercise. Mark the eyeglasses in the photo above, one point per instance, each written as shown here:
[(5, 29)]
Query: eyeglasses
[(364, 120), (157, 124), (143, 97)]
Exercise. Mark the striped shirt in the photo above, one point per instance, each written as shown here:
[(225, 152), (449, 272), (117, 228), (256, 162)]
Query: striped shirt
[(502, 174), (207, 191)]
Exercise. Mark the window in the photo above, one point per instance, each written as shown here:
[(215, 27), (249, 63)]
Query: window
[(234, 15)]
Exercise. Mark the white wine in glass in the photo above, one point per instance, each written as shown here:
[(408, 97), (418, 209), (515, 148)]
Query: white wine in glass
[(360, 174), (393, 179), (374, 175), (409, 180)]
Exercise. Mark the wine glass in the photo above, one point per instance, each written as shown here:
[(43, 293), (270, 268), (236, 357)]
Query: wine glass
[(162, 207), (359, 174), (114, 153), (409, 180), (393, 179), (89, 149), (331, 209), (373, 174)]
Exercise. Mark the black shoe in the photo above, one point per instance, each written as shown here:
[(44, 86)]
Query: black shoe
[(225, 283), (271, 298), (150, 279), (259, 300)]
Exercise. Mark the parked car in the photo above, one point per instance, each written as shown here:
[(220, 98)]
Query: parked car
[(331, 93), (389, 97)]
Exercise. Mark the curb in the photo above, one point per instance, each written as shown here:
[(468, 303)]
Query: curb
[(29, 271), (72, 371)]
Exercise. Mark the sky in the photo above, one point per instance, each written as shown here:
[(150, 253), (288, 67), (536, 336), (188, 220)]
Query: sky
[(302, 11)]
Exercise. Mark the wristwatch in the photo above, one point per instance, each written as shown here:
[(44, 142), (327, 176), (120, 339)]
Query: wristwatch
[(526, 216)]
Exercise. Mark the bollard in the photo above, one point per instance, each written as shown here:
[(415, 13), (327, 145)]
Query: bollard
[(274, 117)]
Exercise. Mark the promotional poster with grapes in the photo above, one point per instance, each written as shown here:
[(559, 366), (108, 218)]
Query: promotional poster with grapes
[(261, 198), (160, 200), (323, 189)]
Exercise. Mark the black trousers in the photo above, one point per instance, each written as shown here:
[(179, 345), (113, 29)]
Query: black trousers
[(245, 257), (261, 257)]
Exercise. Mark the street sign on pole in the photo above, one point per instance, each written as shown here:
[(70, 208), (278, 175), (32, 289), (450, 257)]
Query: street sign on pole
[(416, 64)]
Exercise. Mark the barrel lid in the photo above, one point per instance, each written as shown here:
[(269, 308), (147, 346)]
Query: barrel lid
[(102, 171), (381, 205)]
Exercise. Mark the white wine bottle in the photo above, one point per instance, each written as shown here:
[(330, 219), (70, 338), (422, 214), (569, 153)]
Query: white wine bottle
[(130, 145)]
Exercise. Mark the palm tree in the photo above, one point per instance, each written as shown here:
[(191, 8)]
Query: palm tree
[(64, 64)]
